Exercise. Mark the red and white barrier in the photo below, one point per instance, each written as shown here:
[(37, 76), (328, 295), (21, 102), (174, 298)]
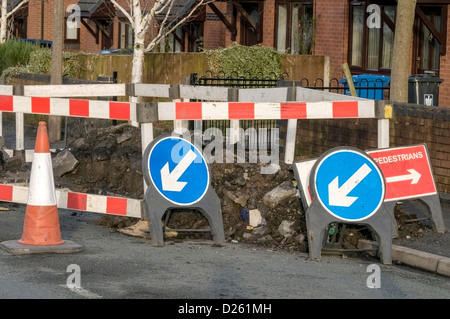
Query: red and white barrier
[(69, 107), (109, 205), (262, 110)]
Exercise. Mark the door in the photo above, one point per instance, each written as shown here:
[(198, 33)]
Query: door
[(429, 35)]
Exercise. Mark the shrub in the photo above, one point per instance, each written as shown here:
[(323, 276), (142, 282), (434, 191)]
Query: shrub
[(244, 60), (15, 53)]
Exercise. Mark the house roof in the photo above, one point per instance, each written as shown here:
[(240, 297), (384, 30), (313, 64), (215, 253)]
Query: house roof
[(179, 9), (11, 4), (88, 7)]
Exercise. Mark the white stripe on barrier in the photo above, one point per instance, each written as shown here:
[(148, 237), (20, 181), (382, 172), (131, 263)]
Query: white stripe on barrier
[(6, 89), (59, 106), (218, 111), (65, 199), (320, 110), (267, 110), (20, 194), (366, 109), (20, 104)]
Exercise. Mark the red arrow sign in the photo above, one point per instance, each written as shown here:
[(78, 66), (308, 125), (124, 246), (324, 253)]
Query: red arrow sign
[(407, 171)]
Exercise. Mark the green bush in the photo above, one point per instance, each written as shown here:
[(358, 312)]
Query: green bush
[(240, 59), (40, 61), (15, 53)]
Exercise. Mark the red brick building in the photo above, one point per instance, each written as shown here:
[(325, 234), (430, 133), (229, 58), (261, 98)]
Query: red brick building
[(357, 32)]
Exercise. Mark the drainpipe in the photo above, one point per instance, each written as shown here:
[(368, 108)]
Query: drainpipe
[(42, 19)]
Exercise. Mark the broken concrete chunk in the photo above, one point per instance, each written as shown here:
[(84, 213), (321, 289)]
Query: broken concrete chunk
[(255, 217), (64, 162), (124, 137), (285, 228), (279, 193), (237, 197)]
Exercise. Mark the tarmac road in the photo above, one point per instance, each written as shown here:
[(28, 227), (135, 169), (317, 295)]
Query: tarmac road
[(112, 265)]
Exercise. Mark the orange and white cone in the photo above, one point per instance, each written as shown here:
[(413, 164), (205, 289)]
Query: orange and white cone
[(41, 225)]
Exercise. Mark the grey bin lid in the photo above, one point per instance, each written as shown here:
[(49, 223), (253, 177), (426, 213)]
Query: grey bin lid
[(424, 78)]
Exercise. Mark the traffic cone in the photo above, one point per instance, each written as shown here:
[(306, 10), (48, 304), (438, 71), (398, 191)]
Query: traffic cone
[(41, 225), (41, 229)]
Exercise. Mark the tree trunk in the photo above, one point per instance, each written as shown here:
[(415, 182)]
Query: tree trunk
[(54, 125), (137, 71), (401, 51), (3, 21), (138, 61)]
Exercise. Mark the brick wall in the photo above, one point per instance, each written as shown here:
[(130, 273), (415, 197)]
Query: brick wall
[(332, 33), (40, 22), (269, 24), (444, 88), (410, 125), (214, 30)]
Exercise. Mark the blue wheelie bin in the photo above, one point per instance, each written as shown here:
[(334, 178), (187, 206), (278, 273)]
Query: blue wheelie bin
[(368, 86)]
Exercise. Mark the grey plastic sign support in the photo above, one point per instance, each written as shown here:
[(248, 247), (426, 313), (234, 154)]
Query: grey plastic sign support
[(347, 186), (178, 176), (433, 207)]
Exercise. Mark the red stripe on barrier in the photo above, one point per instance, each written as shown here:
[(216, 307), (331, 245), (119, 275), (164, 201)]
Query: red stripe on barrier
[(292, 111), (40, 105), (116, 206), (345, 109), (188, 111), (6, 103), (76, 201), (79, 108), (6, 193), (241, 111), (119, 111)]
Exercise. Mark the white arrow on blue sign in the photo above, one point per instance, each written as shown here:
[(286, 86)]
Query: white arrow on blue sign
[(178, 170), (349, 184)]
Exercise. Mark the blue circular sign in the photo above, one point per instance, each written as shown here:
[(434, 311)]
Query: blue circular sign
[(178, 170), (349, 184)]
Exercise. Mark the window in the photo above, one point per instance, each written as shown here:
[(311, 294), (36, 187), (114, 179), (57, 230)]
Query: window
[(186, 37), (71, 37), (371, 37), (72, 33), (295, 27), (175, 41), (125, 36), (371, 43)]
